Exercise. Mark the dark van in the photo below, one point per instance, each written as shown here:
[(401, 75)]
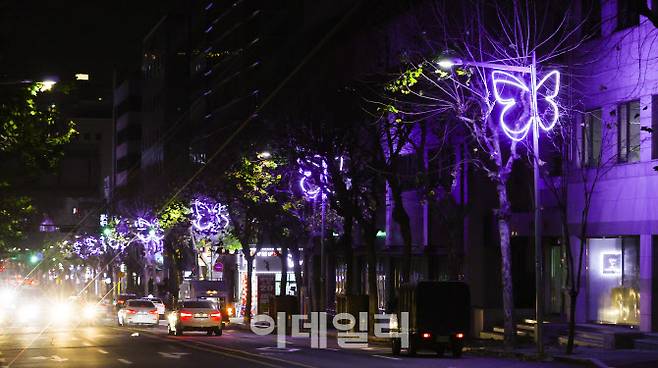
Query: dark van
[(439, 316)]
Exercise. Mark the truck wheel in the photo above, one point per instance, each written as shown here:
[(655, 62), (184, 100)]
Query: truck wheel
[(440, 350), (218, 331), (412, 348), (209, 332), (457, 351), (396, 346)]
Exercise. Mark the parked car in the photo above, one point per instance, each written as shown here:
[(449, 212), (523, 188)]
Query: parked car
[(158, 304), (138, 312), (439, 316), (195, 315), (121, 299)]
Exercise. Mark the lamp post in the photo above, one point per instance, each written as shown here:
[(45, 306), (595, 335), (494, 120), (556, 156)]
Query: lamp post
[(501, 76)]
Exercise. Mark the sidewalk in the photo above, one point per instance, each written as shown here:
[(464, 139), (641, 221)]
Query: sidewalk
[(590, 357)]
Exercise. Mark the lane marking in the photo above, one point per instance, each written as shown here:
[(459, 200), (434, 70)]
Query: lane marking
[(172, 355), (216, 350), (386, 357), (124, 361), (102, 351)]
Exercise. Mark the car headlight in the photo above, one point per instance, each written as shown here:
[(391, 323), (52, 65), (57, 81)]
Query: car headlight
[(61, 312), (7, 295), (29, 312), (90, 311)]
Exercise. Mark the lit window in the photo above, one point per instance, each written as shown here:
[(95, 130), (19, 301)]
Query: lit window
[(82, 76), (592, 138), (628, 131)]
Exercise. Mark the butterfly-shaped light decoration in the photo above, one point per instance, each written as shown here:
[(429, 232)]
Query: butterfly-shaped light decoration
[(209, 217), (546, 117), (309, 182), (150, 234)]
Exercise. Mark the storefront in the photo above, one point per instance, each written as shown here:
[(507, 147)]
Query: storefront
[(266, 278), (613, 280)]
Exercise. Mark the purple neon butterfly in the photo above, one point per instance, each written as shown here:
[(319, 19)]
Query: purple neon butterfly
[(312, 169), (209, 217), (150, 234), (506, 89)]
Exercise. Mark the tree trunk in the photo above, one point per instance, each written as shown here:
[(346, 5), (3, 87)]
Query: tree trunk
[(284, 270), (402, 219), (369, 238), (301, 293), (573, 296), (250, 272), (348, 254), (506, 266)]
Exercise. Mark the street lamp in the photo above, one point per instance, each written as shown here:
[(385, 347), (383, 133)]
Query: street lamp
[(501, 77), (46, 85)]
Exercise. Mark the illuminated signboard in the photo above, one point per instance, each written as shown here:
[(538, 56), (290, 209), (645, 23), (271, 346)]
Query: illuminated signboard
[(611, 264)]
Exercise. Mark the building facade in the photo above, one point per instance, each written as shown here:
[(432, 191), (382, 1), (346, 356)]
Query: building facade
[(618, 144)]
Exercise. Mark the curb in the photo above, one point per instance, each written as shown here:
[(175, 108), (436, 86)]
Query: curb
[(582, 361), (589, 362)]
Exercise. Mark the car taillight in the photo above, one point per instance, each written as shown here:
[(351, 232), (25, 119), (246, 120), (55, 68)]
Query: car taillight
[(215, 315), (459, 335), (153, 311), (131, 311), (426, 335), (185, 315)]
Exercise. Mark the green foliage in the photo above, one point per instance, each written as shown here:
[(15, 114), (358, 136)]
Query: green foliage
[(405, 81), (32, 137), (256, 179), (231, 243), (175, 213)]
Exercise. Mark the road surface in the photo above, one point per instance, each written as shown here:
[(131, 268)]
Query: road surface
[(111, 346)]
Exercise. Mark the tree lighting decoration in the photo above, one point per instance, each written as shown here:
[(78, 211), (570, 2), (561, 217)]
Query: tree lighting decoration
[(87, 247), (150, 234), (312, 169), (518, 132), (209, 217)]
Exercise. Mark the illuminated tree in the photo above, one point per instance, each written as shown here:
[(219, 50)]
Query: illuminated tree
[(32, 138), (440, 84), (248, 189)]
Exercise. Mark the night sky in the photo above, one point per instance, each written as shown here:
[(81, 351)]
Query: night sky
[(63, 37)]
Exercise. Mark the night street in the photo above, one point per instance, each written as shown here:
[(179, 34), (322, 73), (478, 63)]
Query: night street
[(343, 183), (110, 346)]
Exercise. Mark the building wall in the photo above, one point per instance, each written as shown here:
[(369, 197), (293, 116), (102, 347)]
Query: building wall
[(620, 66)]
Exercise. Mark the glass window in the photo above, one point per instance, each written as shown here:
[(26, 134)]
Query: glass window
[(654, 122), (592, 138), (628, 131), (140, 304), (627, 14), (198, 304), (614, 280)]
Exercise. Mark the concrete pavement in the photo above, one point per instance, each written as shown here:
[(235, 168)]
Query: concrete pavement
[(111, 346)]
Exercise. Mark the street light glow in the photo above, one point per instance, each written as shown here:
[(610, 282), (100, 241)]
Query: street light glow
[(447, 63), (46, 85)]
